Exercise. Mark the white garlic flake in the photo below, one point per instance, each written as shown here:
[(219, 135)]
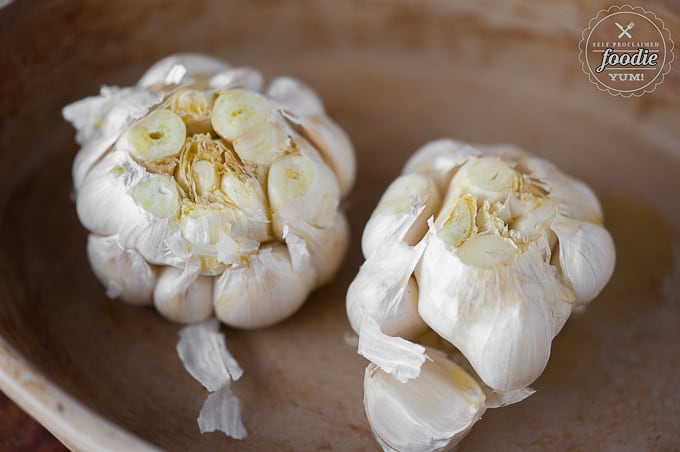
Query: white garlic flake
[(490, 248)]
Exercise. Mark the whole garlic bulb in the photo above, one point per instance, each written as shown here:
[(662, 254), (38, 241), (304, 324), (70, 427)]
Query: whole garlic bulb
[(206, 192), (492, 249)]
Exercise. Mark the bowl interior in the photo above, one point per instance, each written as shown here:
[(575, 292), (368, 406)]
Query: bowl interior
[(395, 75)]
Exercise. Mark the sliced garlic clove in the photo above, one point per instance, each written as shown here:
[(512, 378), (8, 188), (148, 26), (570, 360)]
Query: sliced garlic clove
[(124, 272), (401, 214), (439, 160), (159, 135), (157, 194), (196, 67), (502, 318), (184, 296), (302, 185), (487, 178), (261, 145), (295, 96), (193, 107), (246, 193), (586, 257), (262, 291), (237, 112), (430, 413), (240, 77)]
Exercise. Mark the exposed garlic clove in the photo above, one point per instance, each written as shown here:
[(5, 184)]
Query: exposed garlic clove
[(401, 214), (237, 112), (193, 107), (261, 145), (246, 193), (586, 257), (432, 412), (295, 96), (439, 160), (195, 65), (184, 296), (302, 185), (159, 135), (124, 272), (157, 194), (263, 291)]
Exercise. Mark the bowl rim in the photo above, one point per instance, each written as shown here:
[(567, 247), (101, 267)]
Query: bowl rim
[(69, 420)]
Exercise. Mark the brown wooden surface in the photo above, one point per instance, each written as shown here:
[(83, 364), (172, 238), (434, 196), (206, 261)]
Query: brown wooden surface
[(20, 432)]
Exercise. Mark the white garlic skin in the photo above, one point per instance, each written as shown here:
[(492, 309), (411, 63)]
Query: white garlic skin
[(178, 181), (511, 248)]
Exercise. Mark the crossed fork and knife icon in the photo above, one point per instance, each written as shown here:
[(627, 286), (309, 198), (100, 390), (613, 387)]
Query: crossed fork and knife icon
[(624, 31)]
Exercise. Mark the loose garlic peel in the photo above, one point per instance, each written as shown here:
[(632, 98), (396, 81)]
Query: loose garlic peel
[(508, 248), (204, 199)]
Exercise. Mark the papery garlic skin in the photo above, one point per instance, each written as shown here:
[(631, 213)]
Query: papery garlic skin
[(190, 181), (502, 247)]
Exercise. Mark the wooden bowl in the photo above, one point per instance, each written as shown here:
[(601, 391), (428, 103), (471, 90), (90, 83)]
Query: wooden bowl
[(100, 374)]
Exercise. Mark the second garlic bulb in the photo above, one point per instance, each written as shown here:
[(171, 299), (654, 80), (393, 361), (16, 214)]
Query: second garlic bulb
[(489, 247)]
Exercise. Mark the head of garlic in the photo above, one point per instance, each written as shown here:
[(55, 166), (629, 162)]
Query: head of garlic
[(490, 248), (207, 192)]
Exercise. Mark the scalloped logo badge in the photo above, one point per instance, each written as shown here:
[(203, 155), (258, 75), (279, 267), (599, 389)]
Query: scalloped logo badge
[(626, 51)]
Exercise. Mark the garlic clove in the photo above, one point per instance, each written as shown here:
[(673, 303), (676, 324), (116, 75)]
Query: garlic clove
[(586, 257), (263, 291), (184, 296), (246, 193), (124, 272), (157, 194), (334, 144), (159, 135), (301, 185), (575, 198), (237, 112), (385, 290), (196, 67), (103, 204), (502, 318), (327, 247), (241, 77), (401, 214), (439, 160), (432, 412), (193, 107), (261, 145), (295, 96)]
